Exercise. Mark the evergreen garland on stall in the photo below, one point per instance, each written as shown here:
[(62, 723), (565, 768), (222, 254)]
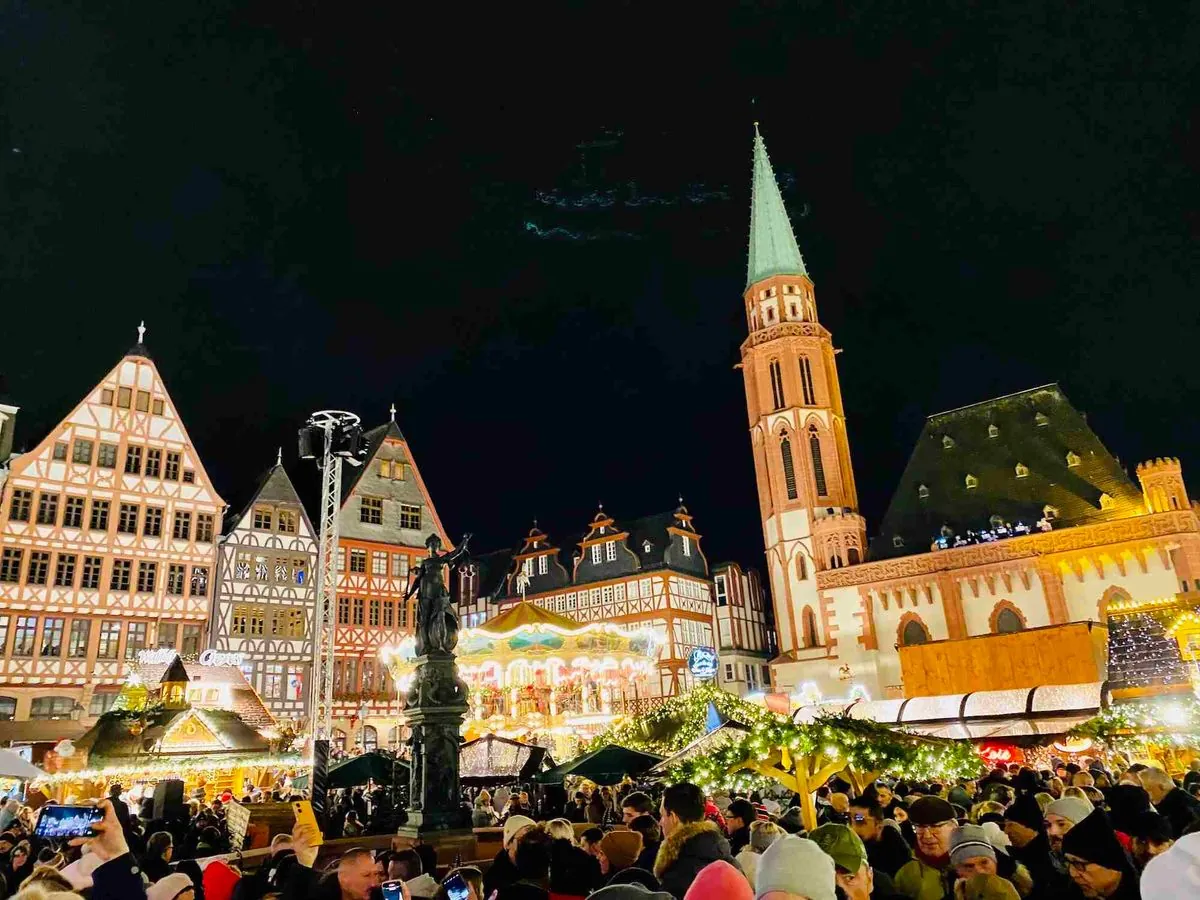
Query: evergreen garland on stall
[(1131, 726)]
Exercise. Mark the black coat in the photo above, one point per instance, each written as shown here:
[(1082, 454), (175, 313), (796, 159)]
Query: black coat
[(1180, 808), (739, 838), (646, 858), (118, 879), (888, 852), (501, 873), (686, 851)]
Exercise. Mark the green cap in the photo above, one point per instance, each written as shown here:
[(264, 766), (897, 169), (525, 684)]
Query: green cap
[(842, 845)]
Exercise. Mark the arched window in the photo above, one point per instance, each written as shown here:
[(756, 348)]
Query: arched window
[(814, 445), (368, 738), (835, 561), (1008, 622), (789, 469), (801, 568), (8, 708), (812, 637), (914, 633), (852, 556), (776, 384)]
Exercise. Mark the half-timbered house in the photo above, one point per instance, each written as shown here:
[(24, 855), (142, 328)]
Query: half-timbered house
[(385, 519), (743, 628), (108, 530), (265, 601)]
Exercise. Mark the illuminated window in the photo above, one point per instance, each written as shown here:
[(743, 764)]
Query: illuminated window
[(23, 636), (543, 562), (110, 637), (199, 583), (135, 639), (156, 406), (358, 560), (143, 401), (287, 521), (597, 554), (133, 460), (971, 482), (1022, 470), (610, 551), (379, 563), (993, 431), (687, 546), (922, 492), (273, 682), (106, 396), (947, 442)]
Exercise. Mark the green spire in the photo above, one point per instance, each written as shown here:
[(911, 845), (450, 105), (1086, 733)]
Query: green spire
[(773, 249)]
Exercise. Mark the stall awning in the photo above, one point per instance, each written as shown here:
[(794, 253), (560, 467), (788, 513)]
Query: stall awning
[(1045, 710)]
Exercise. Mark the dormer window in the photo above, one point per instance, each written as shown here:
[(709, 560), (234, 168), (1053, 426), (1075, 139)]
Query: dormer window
[(1050, 512), (993, 431), (610, 551), (542, 563), (947, 442), (1040, 419), (1022, 470), (597, 555), (687, 546), (897, 541), (527, 566), (647, 546), (1107, 502), (1072, 459), (922, 492), (972, 482)]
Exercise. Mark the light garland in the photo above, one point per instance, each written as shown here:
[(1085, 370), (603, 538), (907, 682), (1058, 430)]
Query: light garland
[(680, 720), (175, 767), (859, 746), (1134, 725)]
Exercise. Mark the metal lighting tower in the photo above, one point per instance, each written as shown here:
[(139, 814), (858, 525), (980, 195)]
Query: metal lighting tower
[(329, 436)]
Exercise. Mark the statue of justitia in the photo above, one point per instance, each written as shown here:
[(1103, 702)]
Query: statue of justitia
[(437, 623)]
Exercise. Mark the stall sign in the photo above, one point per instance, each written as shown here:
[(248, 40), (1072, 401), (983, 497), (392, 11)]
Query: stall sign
[(997, 753)]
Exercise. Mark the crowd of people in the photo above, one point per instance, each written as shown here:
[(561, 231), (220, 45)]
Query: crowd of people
[(1018, 834)]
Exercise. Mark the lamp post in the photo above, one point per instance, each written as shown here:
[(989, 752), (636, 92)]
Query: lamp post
[(330, 436)]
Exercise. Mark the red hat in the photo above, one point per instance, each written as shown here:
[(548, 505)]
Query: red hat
[(219, 881), (719, 879)]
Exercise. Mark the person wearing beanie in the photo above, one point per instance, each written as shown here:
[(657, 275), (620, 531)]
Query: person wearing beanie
[(971, 853), (794, 868), (619, 850), (1061, 816), (792, 820), (719, 880), (887, 850), (1097, 862), (503, 870), (1174, 875), (175, 885), (929, 876), (690, 841), (762, 835)]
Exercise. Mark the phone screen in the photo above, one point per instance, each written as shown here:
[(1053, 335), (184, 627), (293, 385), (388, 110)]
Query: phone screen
[(391, 890), (67, 821), (456, 888)]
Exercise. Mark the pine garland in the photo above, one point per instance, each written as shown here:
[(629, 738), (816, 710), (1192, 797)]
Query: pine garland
[(1133, 725)]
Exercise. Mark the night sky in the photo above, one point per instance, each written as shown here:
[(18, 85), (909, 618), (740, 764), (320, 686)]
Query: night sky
[(528, 229)]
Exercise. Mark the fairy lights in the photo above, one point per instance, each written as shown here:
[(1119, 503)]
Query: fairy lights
[(1174, 722)]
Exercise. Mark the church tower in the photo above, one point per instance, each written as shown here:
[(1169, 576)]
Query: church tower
[(806, 492)]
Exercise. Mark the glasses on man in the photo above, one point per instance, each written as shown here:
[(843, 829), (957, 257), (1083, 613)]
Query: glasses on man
[(925, 829), (859, 818), (1079, 865)]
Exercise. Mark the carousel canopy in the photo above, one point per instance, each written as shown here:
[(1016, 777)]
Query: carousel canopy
[(608, 765), (495, 758), (530, 631)]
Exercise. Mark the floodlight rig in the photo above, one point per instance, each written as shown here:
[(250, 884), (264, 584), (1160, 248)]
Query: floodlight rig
[(330, 436)]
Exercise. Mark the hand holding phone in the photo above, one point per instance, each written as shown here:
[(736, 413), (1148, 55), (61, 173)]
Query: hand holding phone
[(306, 817), (57, 822), (456, 888)]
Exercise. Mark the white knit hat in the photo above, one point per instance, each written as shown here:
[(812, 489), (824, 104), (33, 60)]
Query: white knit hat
[(795, 865), (1073, 809), (1176, 873)]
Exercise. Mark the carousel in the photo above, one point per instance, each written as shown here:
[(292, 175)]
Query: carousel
[(542, 678)]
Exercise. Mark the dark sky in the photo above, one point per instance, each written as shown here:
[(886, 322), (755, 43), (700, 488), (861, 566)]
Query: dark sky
[(349, 204)]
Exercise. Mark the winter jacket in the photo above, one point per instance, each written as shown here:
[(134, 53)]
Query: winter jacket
[(500, 874), (118, 879), (739, 838), (1180, 809), (888, 852), (687, 850), (748, 860), (921, 881), (648, 855)]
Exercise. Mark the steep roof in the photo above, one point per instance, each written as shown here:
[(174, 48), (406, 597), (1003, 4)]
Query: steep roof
[(773, 249), (1068, 468), (526, 614), (274, 486), (373, 440)]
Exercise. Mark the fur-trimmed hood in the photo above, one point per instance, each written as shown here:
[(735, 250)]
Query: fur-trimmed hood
[(686, 851)]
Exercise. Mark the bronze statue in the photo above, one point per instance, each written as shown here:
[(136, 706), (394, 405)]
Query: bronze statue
[(437, 623)]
